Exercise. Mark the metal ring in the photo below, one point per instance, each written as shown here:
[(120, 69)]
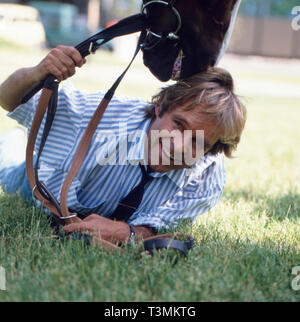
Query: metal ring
[(171, 35), (33, 191), (68, 217), (151, 2)]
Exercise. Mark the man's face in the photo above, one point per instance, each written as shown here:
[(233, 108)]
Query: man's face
[(178, 139)]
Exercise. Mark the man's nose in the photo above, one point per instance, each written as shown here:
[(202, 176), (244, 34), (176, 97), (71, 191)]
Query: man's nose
[(178, 141)]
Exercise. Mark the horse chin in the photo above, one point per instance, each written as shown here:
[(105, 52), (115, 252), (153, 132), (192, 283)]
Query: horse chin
[(161, 70), (160, 60)]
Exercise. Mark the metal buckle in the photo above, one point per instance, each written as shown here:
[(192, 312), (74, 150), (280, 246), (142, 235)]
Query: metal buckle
[(91, 48), (73, 215)]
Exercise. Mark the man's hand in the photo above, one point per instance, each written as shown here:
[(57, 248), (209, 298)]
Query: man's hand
[(102, 228), (60, 62)]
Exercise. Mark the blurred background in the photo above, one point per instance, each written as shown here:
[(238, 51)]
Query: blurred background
[(266, 34), (263, 27), (263, 54)]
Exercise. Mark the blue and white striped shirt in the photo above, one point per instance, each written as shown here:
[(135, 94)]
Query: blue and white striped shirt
[(97, 188)]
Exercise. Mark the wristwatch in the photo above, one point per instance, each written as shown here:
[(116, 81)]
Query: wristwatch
[(132, 235)]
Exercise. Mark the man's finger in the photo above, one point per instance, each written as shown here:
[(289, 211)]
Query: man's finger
[(89, 227), (93, 217), (74, 54), (75, 227), (63, 61)]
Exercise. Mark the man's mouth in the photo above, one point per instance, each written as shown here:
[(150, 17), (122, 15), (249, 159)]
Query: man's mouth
[(169, 155)]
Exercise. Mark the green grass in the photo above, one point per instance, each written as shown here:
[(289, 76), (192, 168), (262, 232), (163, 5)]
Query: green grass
[(245, 248)]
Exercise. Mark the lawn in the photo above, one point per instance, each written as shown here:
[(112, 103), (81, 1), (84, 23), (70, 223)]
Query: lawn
[(246, 247)]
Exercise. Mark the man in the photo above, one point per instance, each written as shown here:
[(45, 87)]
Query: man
[(157, 135)]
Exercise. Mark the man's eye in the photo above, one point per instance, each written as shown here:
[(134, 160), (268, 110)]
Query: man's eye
[(177, 123)]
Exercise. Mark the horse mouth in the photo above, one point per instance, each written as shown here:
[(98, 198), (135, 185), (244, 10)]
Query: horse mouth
[(171, 155), (161, 64)]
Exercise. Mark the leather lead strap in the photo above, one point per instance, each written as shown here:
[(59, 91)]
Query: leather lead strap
[(38, 118), (40, 191), (88, 135), (80, 155)]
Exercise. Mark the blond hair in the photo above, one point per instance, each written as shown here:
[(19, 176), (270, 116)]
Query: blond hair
[(213, 91)]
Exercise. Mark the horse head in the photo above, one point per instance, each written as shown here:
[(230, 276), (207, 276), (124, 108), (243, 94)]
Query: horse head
[(195, 46)]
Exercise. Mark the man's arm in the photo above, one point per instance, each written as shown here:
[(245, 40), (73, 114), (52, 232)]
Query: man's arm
[(60, 62)]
